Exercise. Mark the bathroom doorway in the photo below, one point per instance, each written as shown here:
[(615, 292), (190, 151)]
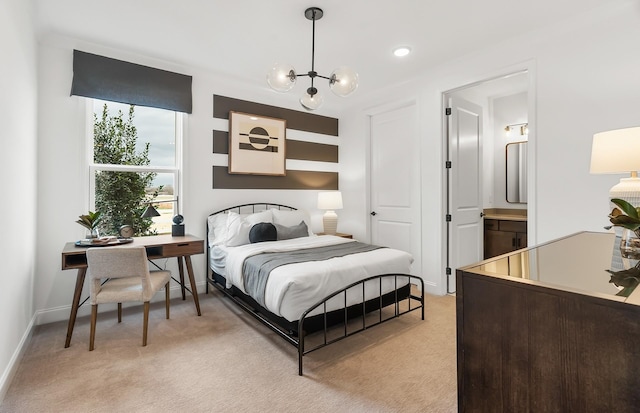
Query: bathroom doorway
[(486, 134)]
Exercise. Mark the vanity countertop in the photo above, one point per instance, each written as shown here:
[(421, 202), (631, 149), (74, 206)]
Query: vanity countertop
[(505, 214)]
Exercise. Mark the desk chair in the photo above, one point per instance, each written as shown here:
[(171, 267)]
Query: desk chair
[(129, 280)]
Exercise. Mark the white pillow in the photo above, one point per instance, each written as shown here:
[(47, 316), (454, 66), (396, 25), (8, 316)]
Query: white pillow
[(217, 229), (238, 226), (292, 218)]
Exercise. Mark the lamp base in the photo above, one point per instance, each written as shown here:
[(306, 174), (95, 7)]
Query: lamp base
[(177, 230), (627, 189), (330, 222)]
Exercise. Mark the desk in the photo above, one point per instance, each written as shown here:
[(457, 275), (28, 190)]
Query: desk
[(159, 246)]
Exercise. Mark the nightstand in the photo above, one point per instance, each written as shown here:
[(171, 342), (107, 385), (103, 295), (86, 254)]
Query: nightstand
[(338, 234)]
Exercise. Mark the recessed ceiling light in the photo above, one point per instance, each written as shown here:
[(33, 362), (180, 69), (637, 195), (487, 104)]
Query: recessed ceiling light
[(401, 51)]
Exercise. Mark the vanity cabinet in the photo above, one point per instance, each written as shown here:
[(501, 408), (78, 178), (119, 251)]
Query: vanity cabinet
[(502, 236)]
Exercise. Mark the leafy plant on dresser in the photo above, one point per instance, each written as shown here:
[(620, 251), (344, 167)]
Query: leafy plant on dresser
[(625, 215)]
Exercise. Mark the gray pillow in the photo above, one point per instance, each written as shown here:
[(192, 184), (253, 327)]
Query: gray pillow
[(296, 231)]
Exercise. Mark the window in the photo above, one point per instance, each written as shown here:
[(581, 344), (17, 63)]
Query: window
[(134, 158)]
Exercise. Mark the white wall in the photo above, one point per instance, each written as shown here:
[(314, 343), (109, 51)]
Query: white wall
[(583, 79), (18, 166)]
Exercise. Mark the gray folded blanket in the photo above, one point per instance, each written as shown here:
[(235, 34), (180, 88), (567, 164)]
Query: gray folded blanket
[(256, 269)]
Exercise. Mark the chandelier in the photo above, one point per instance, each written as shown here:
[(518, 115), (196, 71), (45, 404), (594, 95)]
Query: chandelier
[(282, 77)]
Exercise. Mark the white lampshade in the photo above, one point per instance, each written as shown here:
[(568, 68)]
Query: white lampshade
[(344, 81), (618, 152), (330, 201), (281, 77)]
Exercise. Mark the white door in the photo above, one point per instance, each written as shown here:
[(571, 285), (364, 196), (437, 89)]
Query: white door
[(395, 182), (465, 186)]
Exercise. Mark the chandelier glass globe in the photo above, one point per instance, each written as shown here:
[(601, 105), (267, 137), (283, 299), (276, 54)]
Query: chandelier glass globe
[(281, 77), (310, 102), (343, 81)]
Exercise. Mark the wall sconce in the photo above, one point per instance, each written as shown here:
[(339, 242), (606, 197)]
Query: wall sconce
[(616, 152), (177, 229), (523, 128), (330, 201)]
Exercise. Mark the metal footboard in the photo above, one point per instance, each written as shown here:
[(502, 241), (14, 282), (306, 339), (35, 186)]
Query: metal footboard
[(413, 302)]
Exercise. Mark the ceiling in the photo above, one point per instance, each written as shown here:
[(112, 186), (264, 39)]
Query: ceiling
[(243, 38)]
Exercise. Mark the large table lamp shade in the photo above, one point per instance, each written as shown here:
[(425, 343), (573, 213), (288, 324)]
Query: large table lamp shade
[(618, 152), (330, 201)]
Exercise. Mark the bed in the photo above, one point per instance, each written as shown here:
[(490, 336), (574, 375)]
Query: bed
[(312, 290)]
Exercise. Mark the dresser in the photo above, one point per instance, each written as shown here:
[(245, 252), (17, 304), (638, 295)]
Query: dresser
[(546, 329)]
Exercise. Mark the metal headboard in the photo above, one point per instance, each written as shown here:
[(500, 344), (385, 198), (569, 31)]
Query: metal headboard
[(242, 209), (252, 208)]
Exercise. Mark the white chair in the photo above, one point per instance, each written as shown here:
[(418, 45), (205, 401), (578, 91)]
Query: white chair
[(128, 280)]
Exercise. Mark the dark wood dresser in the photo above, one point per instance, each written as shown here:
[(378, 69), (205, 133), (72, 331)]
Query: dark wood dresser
[(546, 329)]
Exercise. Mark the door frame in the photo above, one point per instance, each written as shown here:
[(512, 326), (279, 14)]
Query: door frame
[(529, 68)]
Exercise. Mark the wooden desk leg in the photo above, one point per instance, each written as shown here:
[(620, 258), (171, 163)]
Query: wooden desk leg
[(194, 290), (181, 271), (75, 304)]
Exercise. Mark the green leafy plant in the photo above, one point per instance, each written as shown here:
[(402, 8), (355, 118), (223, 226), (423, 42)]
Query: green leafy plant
[(121, 195), (625, 216), (627, 280), (91, 220)]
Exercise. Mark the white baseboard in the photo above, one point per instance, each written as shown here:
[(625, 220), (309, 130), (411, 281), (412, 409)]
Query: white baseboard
[(52, 315), (12, 367)]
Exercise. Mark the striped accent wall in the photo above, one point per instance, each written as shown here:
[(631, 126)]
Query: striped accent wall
[(311, 148)]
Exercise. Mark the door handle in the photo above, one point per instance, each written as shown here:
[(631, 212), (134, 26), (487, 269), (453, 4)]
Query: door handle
[(373, 213), (481, 214)]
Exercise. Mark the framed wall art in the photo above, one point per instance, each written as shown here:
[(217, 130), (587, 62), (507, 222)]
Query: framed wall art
[(256, 144)]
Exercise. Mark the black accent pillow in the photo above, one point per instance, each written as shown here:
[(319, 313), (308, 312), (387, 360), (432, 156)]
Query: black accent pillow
[(296, 231), (263, 231)]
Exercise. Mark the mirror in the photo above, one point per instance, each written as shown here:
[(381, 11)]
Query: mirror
[(516, 173)]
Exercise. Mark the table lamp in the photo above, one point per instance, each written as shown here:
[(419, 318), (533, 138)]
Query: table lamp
[(330, 201), (177, 229), (617, 152)]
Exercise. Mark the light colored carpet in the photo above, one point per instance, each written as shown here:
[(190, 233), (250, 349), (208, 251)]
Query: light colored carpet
[(225, 361)]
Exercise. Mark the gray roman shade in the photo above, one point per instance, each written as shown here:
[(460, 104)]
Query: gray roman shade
[(104, 78)]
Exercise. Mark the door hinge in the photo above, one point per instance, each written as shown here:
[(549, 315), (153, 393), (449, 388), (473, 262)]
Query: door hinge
[(447, 164), (448, 217), (448, 270), (447, 111)]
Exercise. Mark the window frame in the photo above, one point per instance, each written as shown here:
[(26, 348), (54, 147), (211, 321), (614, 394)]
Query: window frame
[(176, 170)]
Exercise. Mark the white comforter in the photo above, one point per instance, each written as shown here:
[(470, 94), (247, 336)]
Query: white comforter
[(293, 288)]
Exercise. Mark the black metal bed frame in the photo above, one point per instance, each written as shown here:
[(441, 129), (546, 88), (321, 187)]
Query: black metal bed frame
[(295, 333)]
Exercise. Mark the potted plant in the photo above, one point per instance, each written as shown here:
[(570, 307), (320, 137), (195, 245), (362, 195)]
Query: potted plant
[(627, 280), (627, 217), (90, 221)]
